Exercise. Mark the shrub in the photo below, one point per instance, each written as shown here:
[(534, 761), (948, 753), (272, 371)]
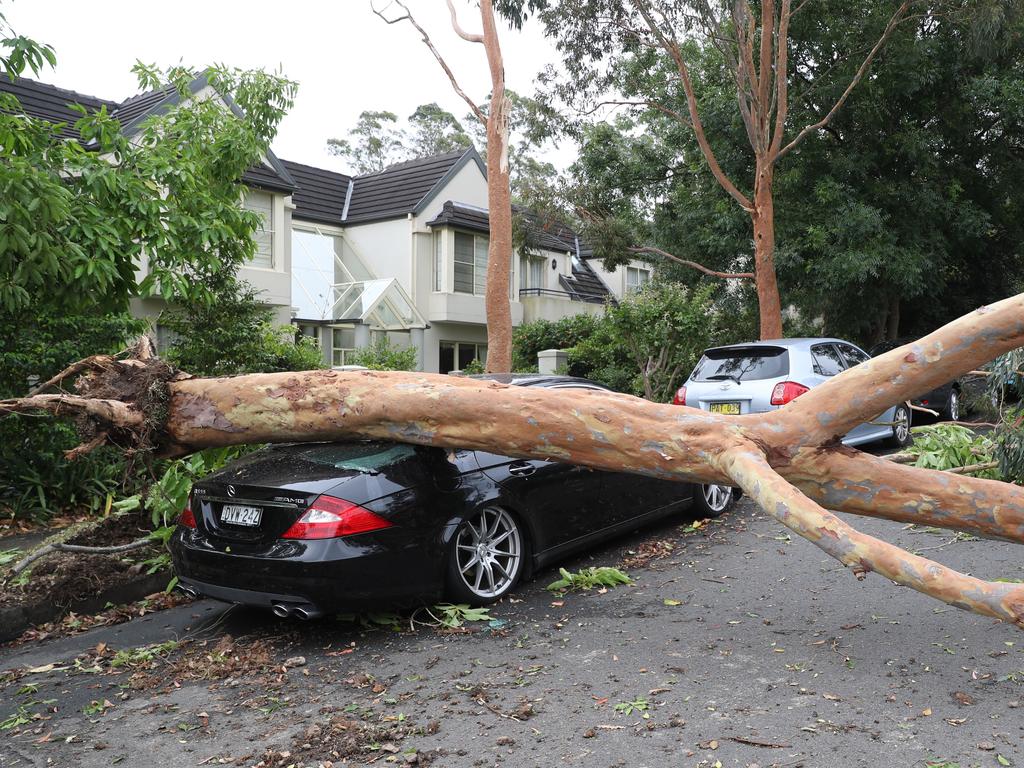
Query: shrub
[(235, 334), (384, 356), (36, 481)]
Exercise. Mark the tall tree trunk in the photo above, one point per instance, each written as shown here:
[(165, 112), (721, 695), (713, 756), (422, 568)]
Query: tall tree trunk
[(763, 217), (892, 325), (499, 205), (790, 461)]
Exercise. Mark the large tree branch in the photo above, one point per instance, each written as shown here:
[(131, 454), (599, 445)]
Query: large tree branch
[(472, 38), (670, 46), (692, 264), (781, 81), (407, 16), (858, 76), (863, 553), (848, 480)]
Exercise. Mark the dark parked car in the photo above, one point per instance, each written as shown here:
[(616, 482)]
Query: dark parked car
[(310, 528), (945, 399)]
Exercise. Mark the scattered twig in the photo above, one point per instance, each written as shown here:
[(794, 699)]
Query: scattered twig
[(757, 743), (48, 549)]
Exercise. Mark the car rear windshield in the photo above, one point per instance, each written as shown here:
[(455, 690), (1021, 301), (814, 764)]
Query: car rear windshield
[(359, 457), (742, 364)]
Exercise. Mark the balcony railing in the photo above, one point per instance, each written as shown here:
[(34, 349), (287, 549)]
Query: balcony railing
[(590, 298)]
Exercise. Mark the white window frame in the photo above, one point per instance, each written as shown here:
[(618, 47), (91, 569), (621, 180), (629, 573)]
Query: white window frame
[(643, 277), (478, 265), (268, 230), (480, 348), (438, 276), (527, 265)]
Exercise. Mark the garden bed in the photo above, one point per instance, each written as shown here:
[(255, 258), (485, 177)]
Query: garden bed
[(63, 582)]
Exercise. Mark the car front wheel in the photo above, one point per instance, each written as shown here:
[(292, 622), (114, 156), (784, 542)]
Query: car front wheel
[(953, 405), (488, 553), (715, 500)]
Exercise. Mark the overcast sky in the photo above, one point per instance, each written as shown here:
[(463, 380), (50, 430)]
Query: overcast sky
[(344, 57)]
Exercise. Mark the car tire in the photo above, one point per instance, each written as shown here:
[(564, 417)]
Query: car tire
[(487, 556), (901, 436), (713, 500), (952, 409)]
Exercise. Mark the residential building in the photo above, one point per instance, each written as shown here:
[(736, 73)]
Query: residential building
[(400, 254)]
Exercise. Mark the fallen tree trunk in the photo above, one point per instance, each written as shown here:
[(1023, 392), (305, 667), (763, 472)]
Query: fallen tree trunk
[(790, 461)]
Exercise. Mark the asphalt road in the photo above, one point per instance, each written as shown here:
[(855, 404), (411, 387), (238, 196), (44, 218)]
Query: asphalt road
[(743, 646)]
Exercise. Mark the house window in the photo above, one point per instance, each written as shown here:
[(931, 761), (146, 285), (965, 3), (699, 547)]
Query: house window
[(262, 203), (343, 346), (531, 272), (470, 263), (456, 355), (439, 261), (637, 278)]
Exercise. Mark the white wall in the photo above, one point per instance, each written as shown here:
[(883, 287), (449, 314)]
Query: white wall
[(385, 247), (468, 186)]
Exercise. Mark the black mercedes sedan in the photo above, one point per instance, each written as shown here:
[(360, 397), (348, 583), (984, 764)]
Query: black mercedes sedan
[(311, 528)]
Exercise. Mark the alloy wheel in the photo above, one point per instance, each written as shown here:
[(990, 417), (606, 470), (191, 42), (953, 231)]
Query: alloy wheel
[(954, 406), (488, 552), (901, 430), (717, 497)]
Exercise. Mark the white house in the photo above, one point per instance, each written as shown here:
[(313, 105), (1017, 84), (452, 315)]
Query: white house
[(401, 253)]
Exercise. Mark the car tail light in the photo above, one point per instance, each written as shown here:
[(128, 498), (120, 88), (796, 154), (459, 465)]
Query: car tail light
[(329, 517), (785, 391), (186, 518), (680, 398)]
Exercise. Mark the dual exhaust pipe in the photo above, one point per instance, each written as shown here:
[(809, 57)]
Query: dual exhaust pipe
[(304, 611)]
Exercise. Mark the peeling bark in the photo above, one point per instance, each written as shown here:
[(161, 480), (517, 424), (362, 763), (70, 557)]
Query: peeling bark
[(789, 461)]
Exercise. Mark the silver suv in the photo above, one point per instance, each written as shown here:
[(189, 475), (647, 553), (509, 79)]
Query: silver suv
[(765, 375)]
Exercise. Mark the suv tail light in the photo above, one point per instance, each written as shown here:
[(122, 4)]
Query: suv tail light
[(329, 517), (680, 398), (785, 391)]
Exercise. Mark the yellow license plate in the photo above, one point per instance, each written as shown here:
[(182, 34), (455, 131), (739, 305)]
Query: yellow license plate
[(730, 409)]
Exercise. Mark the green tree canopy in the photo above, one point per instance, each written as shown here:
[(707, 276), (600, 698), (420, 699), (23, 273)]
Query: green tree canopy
[(80, 216)]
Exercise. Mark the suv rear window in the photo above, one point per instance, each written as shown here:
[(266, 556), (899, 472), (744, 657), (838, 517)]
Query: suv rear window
[(742, 364)]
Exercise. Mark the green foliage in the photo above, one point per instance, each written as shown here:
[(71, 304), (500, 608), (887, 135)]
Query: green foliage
[(947, 446), (909, 202), (373, 144), (646, 345), (474, 367), (384, 356), (455, 615), (589, 578), (530, 338), (129, 657), (639, 704), (77, 215), (36, 481), (1009, 437), (235, 334)]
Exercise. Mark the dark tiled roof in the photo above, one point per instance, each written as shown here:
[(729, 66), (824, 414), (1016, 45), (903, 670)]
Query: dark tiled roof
[(583, 285), (400, 189), (49, 103), (319, 195), (135, 107), (462, 216), (263, 175)]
